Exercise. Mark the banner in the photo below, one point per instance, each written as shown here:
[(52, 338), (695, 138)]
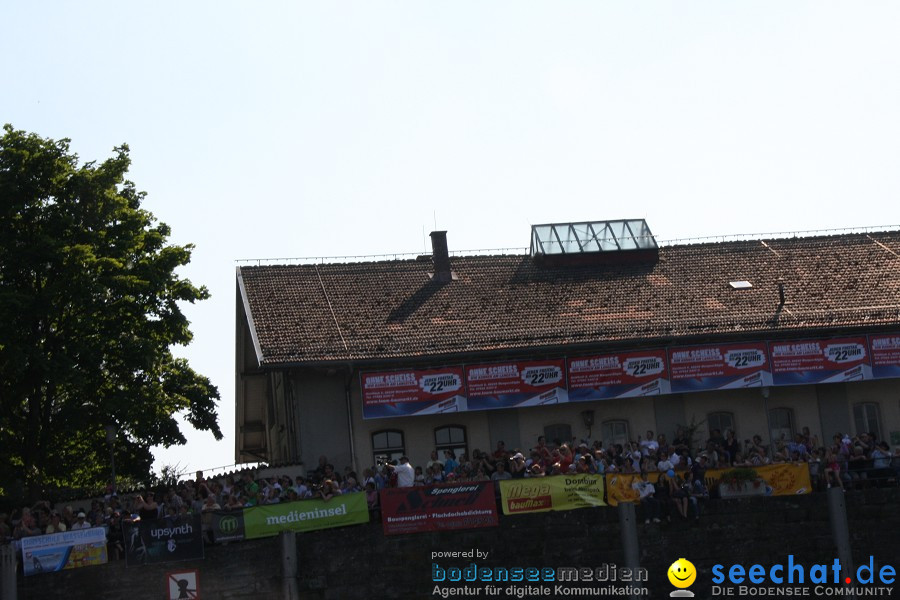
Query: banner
[(559, 492), (67, 550), (438, 507), (781, 479), (820, 361), (225, 526), (623, 375), (404, 393), (305, 515), (885, 351), (516, 384), (699, 368), (163, 540)]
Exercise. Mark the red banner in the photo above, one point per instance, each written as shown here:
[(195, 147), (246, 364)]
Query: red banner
[(697, 368), (402, 393), (820, 361), (464, 505), (505, 385), (642, 373)]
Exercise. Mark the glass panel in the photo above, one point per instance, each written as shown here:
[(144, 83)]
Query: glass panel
[(641, 233), (379, 440), (597, 236), (395, 439), (442, 436), (457, 435), (623, 235), (545, 240), (782, 424)]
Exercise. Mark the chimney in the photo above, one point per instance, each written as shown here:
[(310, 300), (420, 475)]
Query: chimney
[(440, 256)]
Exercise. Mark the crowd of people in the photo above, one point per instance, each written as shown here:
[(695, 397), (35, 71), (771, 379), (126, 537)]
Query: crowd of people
[(678, 469)]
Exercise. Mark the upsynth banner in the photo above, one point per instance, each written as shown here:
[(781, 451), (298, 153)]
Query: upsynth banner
[(559, 492), (68, 550), (305, 515), (438, 507), (226, 526), (163, 540)]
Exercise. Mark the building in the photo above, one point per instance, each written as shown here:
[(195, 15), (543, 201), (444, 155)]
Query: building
[(595, 333)]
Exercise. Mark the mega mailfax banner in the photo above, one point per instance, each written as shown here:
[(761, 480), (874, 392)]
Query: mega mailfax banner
[(412, 392), (719, 367), (820, 361), (438, 508), (622, 375), (516, 384), (305, 515), (67, 550), (557, 492)]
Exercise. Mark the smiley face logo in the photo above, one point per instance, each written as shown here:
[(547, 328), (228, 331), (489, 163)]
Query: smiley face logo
[(682, 573)]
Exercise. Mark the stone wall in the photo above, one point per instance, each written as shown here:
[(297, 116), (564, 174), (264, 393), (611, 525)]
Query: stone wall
[(359, 562)]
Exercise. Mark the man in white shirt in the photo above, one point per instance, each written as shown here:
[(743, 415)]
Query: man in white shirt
[(650, 445), (406, 475)]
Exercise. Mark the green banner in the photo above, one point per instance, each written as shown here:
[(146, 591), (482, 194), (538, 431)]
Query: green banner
[(305, 515)]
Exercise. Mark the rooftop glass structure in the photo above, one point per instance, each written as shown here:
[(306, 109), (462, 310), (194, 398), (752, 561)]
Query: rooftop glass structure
[(591, 237)]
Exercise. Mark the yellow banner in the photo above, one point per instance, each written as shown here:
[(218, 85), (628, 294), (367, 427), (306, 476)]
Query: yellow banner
[(783, 479), (560, 492)]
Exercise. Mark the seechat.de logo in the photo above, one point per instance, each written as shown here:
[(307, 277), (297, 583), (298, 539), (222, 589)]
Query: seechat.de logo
[(682, 575), (228, 525)]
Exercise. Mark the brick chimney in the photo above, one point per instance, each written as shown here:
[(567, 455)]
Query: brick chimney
[(440, 256)]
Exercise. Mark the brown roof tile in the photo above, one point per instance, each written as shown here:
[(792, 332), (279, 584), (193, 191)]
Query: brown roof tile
[(392, 309)]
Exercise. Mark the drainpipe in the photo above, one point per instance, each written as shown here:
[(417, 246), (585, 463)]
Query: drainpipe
[(347, 396)]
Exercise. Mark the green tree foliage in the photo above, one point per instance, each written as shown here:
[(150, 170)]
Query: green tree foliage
[(89, 312)]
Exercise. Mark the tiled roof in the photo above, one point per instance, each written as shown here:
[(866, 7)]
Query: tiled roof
[(391, 309)]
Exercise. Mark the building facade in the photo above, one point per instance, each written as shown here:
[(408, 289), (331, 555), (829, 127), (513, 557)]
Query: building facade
[(619, 336)]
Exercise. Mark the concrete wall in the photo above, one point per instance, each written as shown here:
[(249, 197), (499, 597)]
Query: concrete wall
[(360, 562)]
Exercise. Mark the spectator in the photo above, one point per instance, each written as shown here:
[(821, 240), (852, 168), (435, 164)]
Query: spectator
[(517, 466), (27, 526), (406, 476), (81, 522), (648, 445), (329, 490), (450, 464), (56, 525), (500, 453), (501, 473), (649, 503), (434, 460), (832, 470)]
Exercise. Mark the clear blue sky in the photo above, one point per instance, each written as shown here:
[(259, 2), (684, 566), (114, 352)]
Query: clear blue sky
[(290, 129)]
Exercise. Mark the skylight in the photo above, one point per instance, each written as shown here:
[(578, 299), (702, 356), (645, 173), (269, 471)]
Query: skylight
[(740, 285), (591, 237)]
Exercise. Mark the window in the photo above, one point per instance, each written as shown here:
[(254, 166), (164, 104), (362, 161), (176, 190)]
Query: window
[(451, 437), (781, 424), (388, 445), (867, 418), (561, 433), (723, 421), (614, 432)]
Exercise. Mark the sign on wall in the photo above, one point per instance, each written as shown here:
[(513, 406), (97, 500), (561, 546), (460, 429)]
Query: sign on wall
[(885, 355), (67, 550), (516, 384), (558, 492), (412, 392), (305, 515), (623, 375), (719, 367), (439, 507), (820, 361), (163, 540)]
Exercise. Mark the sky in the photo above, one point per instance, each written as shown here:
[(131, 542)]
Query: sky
[(320, 129)]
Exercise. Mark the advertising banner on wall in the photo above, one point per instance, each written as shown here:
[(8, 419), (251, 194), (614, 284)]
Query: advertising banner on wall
[(163, 540), (412, 392), (885, 351), (516, 384), (621, 375), (67, 550), (559, 492), (782, 479), (438, 507), (305, 515), (820, 361), (719, 367), (226, 525)]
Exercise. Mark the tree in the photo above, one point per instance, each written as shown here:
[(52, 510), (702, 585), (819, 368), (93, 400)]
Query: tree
[(89, 313)]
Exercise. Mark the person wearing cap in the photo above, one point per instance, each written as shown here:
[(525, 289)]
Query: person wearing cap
[(81, 522), (501, 473)]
